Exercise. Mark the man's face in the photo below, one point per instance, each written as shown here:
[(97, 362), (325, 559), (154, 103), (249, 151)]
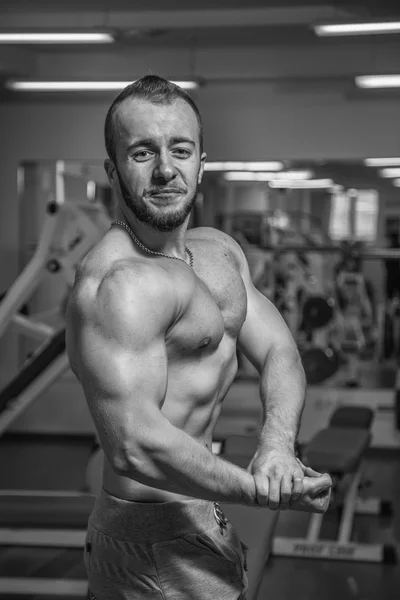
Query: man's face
[(158, 164)]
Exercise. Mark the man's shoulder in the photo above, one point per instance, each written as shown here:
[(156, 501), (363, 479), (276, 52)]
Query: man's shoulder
[(126, 303), (207, 235), (132, 274), (211, 234), (117, 285)]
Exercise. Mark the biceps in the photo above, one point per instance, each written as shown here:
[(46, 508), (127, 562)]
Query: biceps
[(263, 329)]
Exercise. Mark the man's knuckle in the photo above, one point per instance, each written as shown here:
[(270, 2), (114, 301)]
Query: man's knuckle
[(276, 471)]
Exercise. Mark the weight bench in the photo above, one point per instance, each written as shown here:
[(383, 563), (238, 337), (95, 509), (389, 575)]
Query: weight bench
[(339, 450)]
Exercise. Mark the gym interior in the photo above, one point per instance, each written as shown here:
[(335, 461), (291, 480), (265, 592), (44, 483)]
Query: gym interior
[(299, 101)]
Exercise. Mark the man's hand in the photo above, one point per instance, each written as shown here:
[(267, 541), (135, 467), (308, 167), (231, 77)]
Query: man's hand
[(316, 492), (278, 476), (283, 482)]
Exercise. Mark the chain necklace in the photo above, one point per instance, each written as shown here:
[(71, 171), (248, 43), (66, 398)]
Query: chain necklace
[(143, 247)]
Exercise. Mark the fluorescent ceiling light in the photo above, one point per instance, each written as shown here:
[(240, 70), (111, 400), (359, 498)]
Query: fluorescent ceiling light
[(248, 176), (80, 86), (294, 175), (382, 162), (392, 172), (396, 182), (244, 166), (357, 28), (378, 81), (311, 184), (56, 38), (267, 176)]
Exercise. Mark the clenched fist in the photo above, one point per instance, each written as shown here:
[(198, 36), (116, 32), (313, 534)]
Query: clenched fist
[(283, 482)]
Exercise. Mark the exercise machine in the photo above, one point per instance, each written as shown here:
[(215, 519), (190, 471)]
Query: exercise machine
[(353, 253), (60, 248), (69, 230), (46, 365), (320, 357), (339, 450), (43, 518)]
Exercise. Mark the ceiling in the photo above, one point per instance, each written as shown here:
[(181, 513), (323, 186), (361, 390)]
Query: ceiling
[(146, 5), (198, 29), (218, 42), (368, 7), (195, 28)]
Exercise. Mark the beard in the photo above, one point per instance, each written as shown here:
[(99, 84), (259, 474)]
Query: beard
[(154, 218)]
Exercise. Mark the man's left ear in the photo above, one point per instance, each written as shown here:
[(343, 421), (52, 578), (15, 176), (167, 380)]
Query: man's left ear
[(202, 165)]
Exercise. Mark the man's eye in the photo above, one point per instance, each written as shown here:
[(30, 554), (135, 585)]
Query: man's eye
[(142, 155), (182, 152)]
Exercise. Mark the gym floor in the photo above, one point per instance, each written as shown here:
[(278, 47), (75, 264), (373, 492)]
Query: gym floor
[(27, 462)]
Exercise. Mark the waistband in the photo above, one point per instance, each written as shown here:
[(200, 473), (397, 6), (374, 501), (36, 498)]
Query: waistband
[(152, 522)]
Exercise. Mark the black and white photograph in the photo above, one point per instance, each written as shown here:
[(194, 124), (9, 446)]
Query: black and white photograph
[(199, 300)]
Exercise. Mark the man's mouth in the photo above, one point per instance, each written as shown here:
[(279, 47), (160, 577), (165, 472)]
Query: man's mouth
[(167, 192)]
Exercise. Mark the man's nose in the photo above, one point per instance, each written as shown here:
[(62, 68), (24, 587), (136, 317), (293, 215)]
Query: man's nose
[(165, 168)]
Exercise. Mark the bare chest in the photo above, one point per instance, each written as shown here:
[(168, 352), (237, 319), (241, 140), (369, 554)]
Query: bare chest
[(217, 306)]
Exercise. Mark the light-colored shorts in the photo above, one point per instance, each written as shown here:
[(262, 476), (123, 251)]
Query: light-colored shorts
[(183, 550)]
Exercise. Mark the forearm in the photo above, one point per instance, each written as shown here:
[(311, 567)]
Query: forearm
[(176, 462), (282, 391)]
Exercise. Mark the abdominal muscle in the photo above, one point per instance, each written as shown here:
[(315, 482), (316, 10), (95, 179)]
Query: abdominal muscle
[(196, 417)]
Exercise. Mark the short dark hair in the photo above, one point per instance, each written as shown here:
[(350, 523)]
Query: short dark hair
[(155, 89)]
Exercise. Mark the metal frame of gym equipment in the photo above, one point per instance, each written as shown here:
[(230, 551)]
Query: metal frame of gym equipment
[(343, 548), (53, 254), (312, 546), (48, 363)]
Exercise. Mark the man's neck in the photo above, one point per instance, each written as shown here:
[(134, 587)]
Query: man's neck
[(171, 243)]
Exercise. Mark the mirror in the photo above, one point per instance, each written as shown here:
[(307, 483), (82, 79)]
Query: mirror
[(312, 232)]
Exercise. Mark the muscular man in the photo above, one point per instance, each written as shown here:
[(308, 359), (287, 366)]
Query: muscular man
[(152, 328)]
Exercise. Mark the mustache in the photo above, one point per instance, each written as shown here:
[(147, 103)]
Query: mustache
[(150, 191)]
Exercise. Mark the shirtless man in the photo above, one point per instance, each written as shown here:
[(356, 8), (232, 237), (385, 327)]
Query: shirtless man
[(153, 323)]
